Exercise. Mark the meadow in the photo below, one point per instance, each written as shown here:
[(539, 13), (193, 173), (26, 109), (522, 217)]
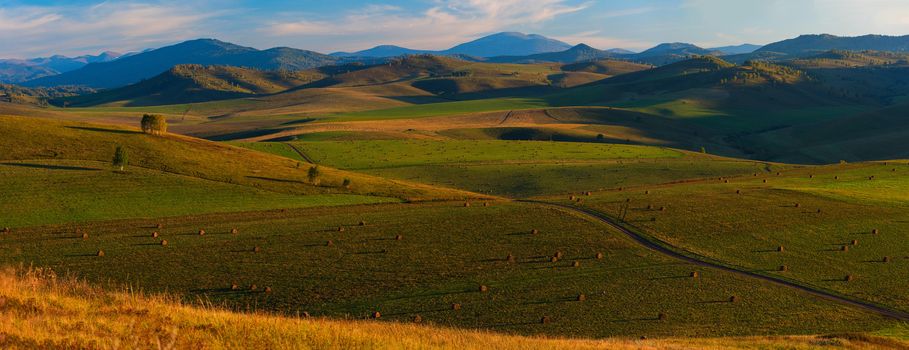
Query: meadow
[(445, 262), (837, 228)]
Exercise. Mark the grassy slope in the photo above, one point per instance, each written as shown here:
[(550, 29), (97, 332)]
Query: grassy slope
[(746, 229), (32, 140), (517, 168), (60, 191), (446, 252), (51, 312)]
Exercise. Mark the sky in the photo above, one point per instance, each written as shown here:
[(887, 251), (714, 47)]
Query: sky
[(75, 27)]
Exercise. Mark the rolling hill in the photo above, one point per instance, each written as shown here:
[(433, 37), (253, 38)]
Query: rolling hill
[(499, 44), (148, 64), (812, 44), (196, 83)]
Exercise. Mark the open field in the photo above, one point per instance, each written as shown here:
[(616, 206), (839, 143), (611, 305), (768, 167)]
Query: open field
[(51, 311), (516, 168), (446, 252), (823, 217)]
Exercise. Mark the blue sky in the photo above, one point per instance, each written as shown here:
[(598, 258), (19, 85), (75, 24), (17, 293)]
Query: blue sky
[(44, 27)]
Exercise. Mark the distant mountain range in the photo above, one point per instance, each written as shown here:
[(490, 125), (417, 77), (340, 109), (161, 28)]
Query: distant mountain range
[(19, 70), (148, 64), (110, 70), (501, 44)]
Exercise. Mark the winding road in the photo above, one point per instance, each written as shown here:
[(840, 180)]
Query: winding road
[(665, 250)]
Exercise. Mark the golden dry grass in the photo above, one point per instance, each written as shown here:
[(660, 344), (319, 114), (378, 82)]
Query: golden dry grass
[(38, 309)]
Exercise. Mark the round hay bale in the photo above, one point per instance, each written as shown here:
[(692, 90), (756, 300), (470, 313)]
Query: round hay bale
[(456, 306), (163, 242), (534, 231), (662, 316), (848, 278), (558, 254), (571, 198), (329, 243), (201, 232), (234, 231), (340, 228), (783, 268), (599, 256), (810, 176), (797, 205), (734, 299), (875, 231), (155, 234), (510, 258), (159, 226), (417, 319), (305, 314), (376, 315), (576, 264), (399, 237), (836, 177), (267, 289), (738, 191), (818, 210), (553, 259), (725, 181), (886, 259), (483, 288), (466, 204), (485, 204), (765, 180), (85, 236), (694, 274), (844, 248), (6, 230), (253, 287), (647, 192), (587, 193), (581, 297), (649, 206), (234, 286), (662, 208), (256, 249), (362, 223), (854, 242), (780, 249), (100, 253), (545, 320)]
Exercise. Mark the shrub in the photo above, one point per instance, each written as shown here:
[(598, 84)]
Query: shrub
[(313, 175), (121, 158), (154, 124)]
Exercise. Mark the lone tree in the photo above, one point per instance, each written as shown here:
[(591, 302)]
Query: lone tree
[(154, 124), (121, 159), (313, 174)]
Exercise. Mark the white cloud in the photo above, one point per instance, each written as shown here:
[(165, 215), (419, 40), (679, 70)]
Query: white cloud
[(28, 31), (444, 24)]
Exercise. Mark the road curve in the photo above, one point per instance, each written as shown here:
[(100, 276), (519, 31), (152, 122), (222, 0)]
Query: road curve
[(900, 315)]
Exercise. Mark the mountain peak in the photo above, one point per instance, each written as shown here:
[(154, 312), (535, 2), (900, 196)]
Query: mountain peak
[(509, 44)]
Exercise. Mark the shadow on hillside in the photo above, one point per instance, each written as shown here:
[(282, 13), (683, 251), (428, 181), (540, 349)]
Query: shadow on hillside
[(115, 131), (275, 180), (50, 167)]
